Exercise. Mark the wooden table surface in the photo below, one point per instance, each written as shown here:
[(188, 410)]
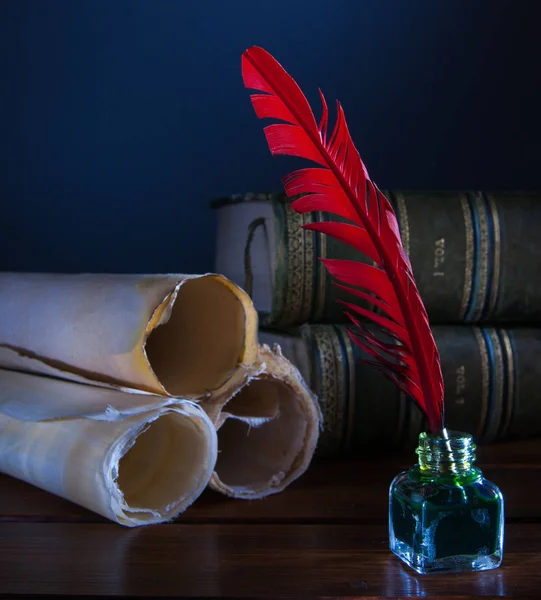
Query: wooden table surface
[(324, 537)]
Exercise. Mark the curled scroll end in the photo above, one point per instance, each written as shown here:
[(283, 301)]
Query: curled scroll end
[(163, 466), (135, 469), (267, 430), (201, 336), (176, 335)]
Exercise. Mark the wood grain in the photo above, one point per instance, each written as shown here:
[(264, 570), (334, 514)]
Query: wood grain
[(323, 537), (240, 560)]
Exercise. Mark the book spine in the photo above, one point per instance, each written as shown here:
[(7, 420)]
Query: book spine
[(474, 256), (491, 380), (303, 290)]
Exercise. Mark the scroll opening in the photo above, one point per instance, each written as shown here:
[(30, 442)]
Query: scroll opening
[(201, 344), (164, 466), (256, 452), (256, 401)]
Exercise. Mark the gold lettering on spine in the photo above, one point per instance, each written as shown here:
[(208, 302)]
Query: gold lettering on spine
[(468, 267), (329, 389), (322, 275), (460, 385), (483, 353), (496, 261), (439, 257), (483, 258), (510, 378)]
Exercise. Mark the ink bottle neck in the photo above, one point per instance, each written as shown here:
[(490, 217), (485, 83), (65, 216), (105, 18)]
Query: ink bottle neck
[(452, 453)]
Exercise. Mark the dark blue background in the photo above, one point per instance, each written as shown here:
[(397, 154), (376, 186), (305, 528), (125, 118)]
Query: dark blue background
[(121, 120)]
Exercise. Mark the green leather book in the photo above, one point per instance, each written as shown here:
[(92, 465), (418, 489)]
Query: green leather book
[(475, 256), (492, 380)]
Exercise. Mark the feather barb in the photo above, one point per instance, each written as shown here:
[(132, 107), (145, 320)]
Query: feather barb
[(340, 185)]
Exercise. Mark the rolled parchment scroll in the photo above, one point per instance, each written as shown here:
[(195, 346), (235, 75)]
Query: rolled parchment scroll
[(135, 459), (95, 370), (267, 429), (180, 335)]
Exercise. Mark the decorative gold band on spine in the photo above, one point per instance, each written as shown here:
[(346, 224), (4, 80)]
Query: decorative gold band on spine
[(483, 353), (403, 222), (510, 380), (497, 379), (496, 261), (348, 385), (322, 275), (297, 268), (468, 267), (329, 386), (482, 249), (308, 275)]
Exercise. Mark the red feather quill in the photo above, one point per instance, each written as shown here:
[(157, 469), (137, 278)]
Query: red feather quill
[(340, 185)]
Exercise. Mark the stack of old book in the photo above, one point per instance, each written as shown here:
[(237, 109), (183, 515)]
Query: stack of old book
[(476, 258)]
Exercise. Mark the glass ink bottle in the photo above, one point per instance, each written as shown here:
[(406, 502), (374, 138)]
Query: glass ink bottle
[(444, 516)]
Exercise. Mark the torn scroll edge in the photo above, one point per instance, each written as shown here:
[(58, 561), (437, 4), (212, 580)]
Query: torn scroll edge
[(26, 361), (292, 429)]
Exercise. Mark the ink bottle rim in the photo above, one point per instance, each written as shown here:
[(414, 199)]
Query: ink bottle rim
[(448, 455)]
